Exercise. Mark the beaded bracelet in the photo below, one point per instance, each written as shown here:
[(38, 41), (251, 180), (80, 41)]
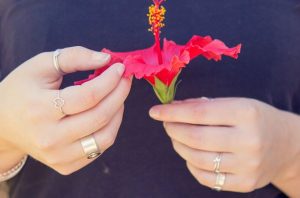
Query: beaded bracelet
[(14, 171)]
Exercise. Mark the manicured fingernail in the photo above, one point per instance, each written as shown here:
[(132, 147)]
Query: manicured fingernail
[(120, 68), (154, 113), (204, 98), (100, 56)]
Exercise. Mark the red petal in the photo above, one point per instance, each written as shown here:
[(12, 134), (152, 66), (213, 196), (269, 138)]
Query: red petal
[(217, 48), (136, 65), (80, 82), (174, 58), (147, 54), (150, 79), (166, 75), (195, 44), (144, 63), (210, 49), (171, 49), (139, 62)]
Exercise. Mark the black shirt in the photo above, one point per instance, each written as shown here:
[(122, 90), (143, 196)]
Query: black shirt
[(142, 162)]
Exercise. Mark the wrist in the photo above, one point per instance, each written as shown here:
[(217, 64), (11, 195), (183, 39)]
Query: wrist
[(9, 159), (288, 178), (13, 171), (9, 156)]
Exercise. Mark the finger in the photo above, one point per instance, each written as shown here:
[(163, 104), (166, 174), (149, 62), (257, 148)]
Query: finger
[(202, 99), (191, 100), (72, 167), (83, 124), (207, 138), (233, 182), (104, 139), (205, 160), (207, 112), (83, 97), (67, 169), (70, 60)]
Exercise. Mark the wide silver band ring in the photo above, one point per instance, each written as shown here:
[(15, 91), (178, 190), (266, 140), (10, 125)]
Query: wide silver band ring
[(217, 163), (220, 181), (56, 54), (90, 147)]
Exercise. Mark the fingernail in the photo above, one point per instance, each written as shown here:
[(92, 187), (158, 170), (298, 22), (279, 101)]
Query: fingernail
[(120, 68), (204, 98), (164, 124), (176, 102), (100, 56), (154, 113)]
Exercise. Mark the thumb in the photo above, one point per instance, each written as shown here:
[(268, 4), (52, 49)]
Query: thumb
[(69, 60)]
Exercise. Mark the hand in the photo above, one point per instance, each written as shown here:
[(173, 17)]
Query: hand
[(251, 136), (30, 124)]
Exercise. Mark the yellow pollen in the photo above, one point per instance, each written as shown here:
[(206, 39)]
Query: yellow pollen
[(156, 16)]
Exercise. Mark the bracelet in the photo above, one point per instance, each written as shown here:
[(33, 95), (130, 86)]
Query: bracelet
[(14, 171)]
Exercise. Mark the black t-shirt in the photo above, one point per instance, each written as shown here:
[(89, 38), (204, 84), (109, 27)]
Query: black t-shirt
[(142, 162)]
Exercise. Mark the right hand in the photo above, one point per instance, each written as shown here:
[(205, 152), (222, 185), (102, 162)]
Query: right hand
[(30, 124)]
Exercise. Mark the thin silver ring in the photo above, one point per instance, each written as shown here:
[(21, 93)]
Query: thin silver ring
[(59, 102), (220, 181), (217, 163), (56, 54), (90, 147)]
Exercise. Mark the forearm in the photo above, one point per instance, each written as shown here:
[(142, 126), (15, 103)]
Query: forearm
[(288, 179), (9, 155)]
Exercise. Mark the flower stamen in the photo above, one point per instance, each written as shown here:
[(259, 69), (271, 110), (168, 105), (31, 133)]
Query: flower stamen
[(156, 17)]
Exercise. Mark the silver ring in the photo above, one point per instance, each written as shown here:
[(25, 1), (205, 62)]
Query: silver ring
[(220, 181), (90, 147), (217, 163), (59, 102), (55, 61)]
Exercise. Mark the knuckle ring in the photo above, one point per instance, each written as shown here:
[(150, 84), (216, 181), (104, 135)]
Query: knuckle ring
[(217, 163), (220, 181), (59, 102), (55, 61), (90, 147)]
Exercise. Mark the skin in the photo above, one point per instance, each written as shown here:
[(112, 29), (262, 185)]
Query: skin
[(259, 143), (29, 123)]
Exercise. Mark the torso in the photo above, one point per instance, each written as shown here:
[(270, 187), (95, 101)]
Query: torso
[(142, 163)]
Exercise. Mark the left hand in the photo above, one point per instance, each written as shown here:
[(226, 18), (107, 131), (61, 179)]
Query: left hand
[(251, 136)]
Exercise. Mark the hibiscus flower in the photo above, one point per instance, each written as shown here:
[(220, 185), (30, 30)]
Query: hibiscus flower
[(161, 66)]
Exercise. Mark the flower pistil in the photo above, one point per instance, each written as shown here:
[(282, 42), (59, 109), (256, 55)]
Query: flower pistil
[(156, 18)]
